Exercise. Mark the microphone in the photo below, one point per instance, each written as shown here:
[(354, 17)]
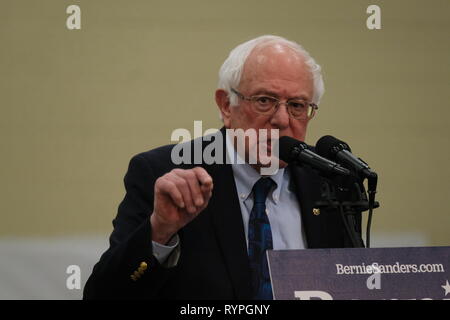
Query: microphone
[(297, 152), (337, 150)]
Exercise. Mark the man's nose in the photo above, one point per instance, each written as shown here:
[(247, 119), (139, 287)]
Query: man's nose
[(280, 119)]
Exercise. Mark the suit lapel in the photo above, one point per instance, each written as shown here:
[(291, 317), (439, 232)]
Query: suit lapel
[(227, 223), (307, 186), (229, 229)]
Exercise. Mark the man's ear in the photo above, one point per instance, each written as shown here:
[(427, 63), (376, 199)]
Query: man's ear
[(223, 102)]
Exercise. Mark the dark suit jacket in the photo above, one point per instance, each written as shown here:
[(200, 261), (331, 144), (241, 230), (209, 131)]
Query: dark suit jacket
[(213, 263)]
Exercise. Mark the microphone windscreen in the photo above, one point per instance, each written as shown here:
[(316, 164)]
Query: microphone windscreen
[(328, 146), (286, 146)]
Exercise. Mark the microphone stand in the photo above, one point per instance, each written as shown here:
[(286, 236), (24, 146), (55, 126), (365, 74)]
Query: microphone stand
[(348, 196)]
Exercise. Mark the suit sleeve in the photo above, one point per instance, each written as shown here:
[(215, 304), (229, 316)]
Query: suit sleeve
[(128, 269)]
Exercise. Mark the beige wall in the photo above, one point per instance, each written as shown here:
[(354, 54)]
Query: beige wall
[(76, 105)]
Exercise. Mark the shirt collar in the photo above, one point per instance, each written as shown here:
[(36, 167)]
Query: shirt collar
[(246, 176)]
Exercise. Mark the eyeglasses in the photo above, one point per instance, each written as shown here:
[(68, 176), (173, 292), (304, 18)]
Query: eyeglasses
[(297, 108)]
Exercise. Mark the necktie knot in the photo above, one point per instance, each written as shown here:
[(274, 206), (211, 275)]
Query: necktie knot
[(261, 189)]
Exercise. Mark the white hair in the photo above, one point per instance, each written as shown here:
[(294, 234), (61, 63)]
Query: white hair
[(231, 71)]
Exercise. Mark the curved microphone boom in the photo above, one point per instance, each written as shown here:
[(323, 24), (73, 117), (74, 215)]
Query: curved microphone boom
[(295, 151)]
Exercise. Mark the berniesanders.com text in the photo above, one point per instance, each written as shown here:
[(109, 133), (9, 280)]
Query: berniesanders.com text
[(397, 267)]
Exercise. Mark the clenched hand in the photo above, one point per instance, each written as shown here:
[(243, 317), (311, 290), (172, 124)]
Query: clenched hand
[(180, 195)]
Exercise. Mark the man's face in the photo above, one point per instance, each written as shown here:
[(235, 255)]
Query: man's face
[(275, 71)]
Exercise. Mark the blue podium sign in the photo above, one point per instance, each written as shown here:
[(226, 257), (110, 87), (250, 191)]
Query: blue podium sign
[(360, 273)]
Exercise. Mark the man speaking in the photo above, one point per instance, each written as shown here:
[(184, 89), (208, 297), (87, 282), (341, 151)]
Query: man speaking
[(186, 231)]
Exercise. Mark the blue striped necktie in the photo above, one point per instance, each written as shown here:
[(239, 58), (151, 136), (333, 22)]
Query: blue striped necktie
[(260, 240)]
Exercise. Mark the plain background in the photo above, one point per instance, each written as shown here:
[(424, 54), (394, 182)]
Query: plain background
[(76, 105)]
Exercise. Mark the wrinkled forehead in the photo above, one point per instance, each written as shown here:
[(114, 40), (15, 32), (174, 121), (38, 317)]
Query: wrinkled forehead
[(274, 61)]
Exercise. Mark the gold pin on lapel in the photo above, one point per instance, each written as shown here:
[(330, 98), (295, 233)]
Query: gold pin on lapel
[(143, 266), (316, 211)]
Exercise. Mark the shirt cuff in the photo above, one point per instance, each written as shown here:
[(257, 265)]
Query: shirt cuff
[(162, 252)]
